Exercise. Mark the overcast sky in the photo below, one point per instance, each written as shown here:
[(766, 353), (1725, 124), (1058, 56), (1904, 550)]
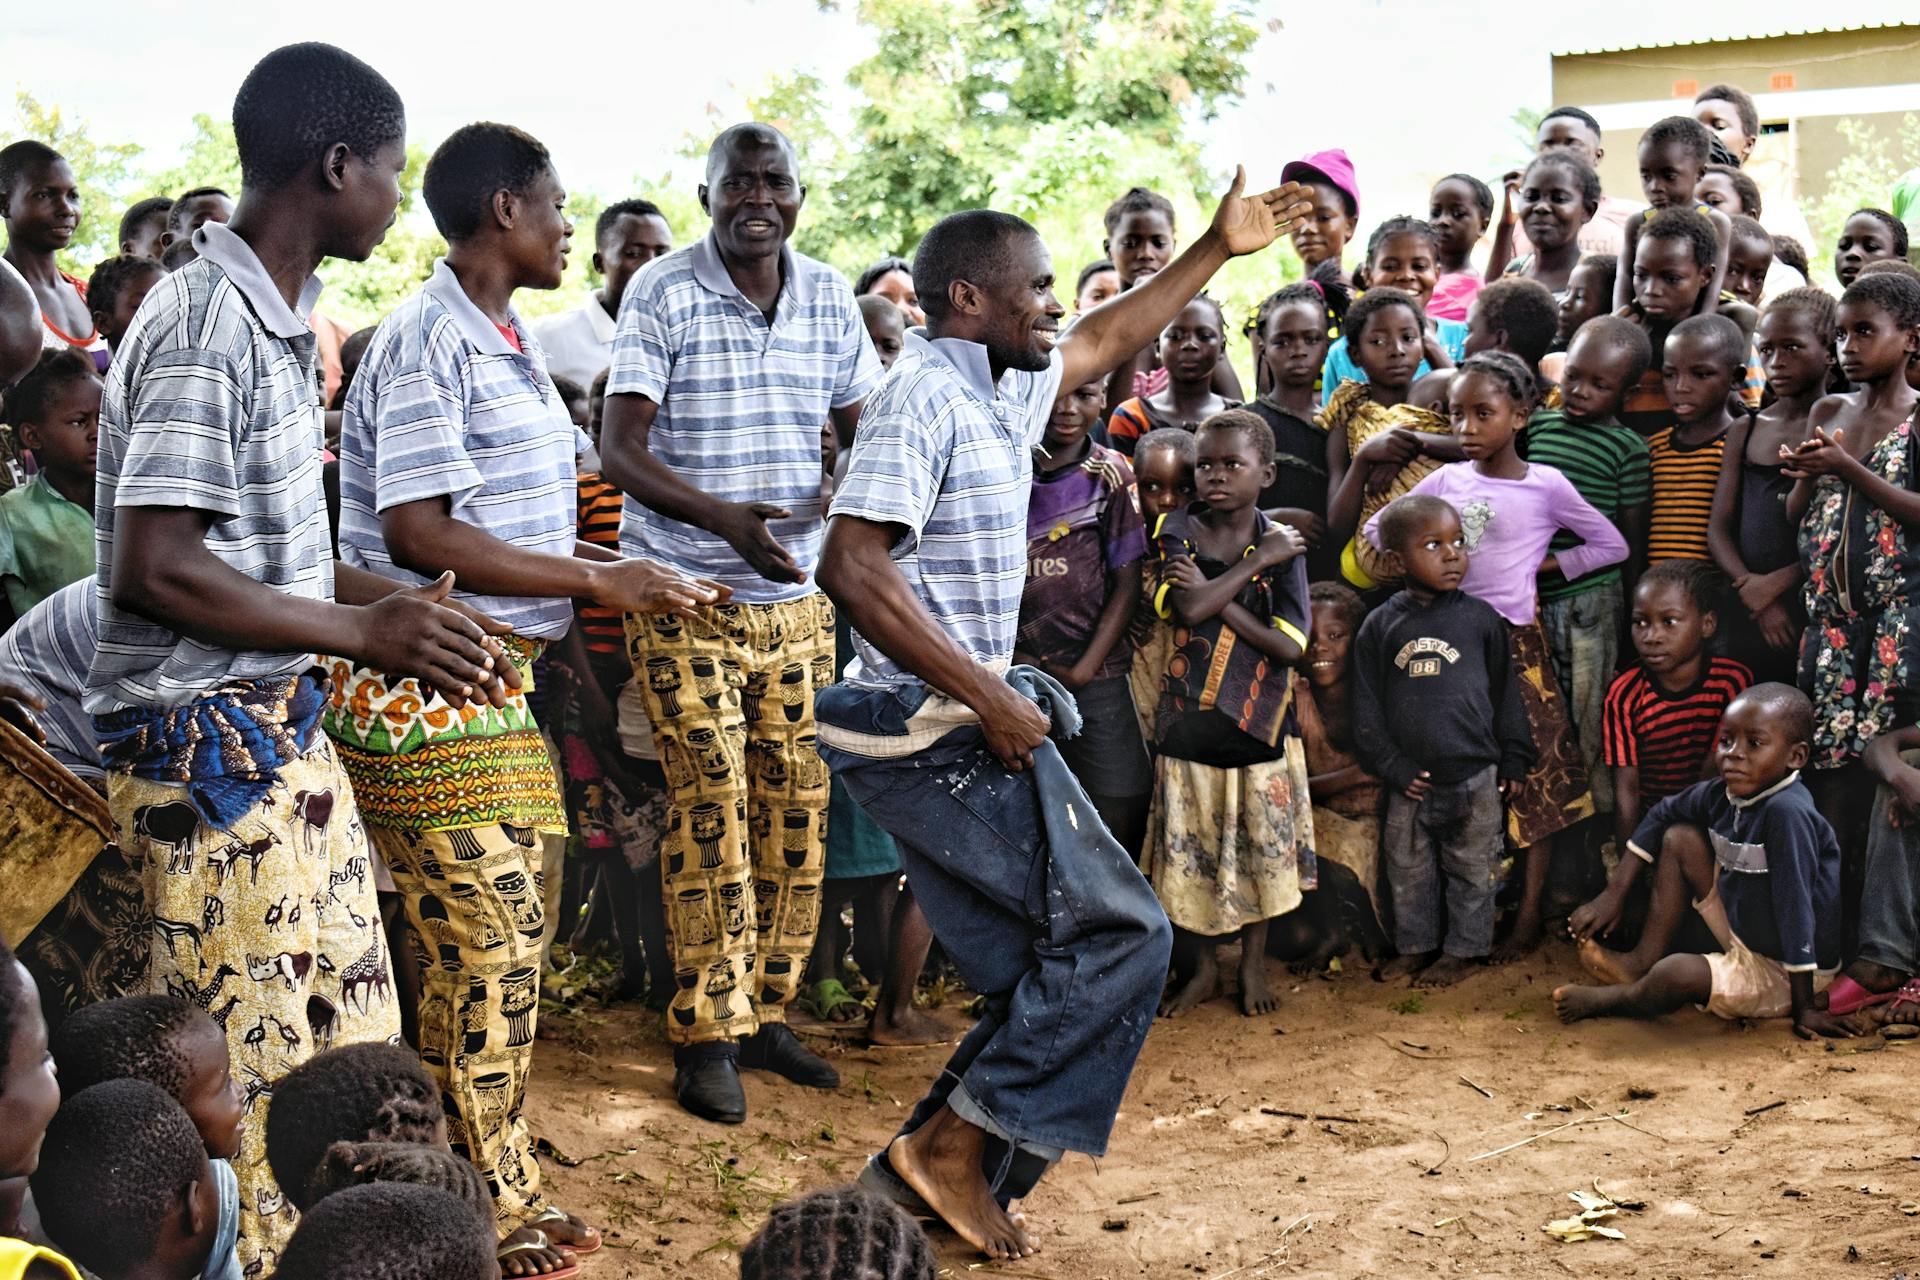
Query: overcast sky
[(1410, 87)]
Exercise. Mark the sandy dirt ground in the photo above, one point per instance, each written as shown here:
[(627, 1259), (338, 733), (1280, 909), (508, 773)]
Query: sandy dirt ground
[(1340, 1137)]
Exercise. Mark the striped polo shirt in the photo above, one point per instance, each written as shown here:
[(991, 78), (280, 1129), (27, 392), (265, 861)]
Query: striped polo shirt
[(946, 453), (1667, 736), (741, 402), (1683, 481), (211, 404), (444, 407), (1609, 467), (47, 653)]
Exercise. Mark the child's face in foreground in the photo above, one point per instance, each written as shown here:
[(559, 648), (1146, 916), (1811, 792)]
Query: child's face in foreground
[(1074, 414), (67, 440), (1589, 294), (1099, 286), (1863, 239), (1667, 279), (1754, 750), (1872, 344), (1485, 417), (1668, 629), (210, 1095), (887, 327), (1227, 473), (1594, 385), (114, 324), (1552, 207), (1190, 347), (1295, 344), (1795, 360), (1668, 173), (1698, 377), (1748, 259), (1329, 647), (1164, 481), (1406, 262), (1388, 348), (1716, 191), (1456, 218), (1433, 555), (1141, 244), (31, 1094), (1325, 233)]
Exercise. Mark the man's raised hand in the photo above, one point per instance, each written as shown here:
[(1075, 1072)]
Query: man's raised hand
[(1248, 224)]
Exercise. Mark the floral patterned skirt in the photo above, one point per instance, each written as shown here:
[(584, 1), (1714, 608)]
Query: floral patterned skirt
[(1859, 669), (1227, 848)]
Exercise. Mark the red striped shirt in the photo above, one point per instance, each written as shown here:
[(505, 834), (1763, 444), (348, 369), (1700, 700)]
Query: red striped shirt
[(1667, 735), (601, 628)]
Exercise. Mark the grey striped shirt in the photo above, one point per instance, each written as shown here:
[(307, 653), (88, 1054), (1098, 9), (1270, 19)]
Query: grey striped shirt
[(46, 652)]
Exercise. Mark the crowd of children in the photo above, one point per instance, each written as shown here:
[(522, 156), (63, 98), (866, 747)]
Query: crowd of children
[(1571, 580)]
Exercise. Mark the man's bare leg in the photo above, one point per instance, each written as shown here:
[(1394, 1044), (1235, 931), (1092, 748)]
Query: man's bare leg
[(941, 1161)]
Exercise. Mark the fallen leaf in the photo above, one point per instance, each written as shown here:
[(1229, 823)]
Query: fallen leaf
[(1910, 1208)]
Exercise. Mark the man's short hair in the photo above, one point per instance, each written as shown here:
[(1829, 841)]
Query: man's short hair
[(390, 1231), (752, 132), (300, 100), (475, 162), (20, 158), (974, 245), (141, 210), (612, 214), (1573, 113)]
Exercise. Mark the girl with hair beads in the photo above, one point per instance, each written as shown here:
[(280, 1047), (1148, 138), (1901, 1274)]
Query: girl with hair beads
[(1748, 534), (1378, 445), (1856, 504), (1292, 326), (1460, 209), (1190, 349), (1230, 841), (1559, 194), (1510, 511), (1403, 254)]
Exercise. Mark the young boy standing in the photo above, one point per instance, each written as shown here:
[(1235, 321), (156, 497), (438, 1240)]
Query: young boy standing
[(46, 525), (1703, 360), (217, 585)]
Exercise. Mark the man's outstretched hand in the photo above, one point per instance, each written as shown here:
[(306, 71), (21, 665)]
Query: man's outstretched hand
[(1248, 224)]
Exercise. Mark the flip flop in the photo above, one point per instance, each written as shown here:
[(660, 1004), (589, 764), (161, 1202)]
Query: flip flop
[(826, 997), (554, 1213), (1909, 993), (539, 1241), (1845, 996)]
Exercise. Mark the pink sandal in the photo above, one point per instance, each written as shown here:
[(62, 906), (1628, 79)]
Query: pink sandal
[(1846, 996)]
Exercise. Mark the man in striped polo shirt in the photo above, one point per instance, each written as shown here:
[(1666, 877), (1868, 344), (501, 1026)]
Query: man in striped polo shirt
[(1042, 909), (729, 356)]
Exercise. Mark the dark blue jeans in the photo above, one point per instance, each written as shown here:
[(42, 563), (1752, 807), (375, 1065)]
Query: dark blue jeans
[(1453, 836), (1063, 937)]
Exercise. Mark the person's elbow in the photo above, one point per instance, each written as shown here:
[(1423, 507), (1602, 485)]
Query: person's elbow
[(409, 532)]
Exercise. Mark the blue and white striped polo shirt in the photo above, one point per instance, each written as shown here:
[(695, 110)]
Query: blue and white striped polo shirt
[(211, 405), (444, 407), (47, 653), (946, 453), (741, 401)]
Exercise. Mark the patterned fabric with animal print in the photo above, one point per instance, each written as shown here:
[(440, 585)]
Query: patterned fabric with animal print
[(474, 897), (271, 926)]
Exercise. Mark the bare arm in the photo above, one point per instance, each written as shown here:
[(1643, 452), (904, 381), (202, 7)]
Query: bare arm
[(845, 419), (1123, 593), (1722, 545), (1623, 272), (1261, 634), (1501, 252)]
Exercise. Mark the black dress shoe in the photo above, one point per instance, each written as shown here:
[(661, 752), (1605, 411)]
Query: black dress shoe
[(706, 1081), (775, 1048)]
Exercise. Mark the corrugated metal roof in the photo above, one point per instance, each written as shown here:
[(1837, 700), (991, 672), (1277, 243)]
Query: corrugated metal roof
[(1722, 39)]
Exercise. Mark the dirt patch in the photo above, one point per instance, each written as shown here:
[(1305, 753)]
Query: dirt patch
[(1336, 1138)]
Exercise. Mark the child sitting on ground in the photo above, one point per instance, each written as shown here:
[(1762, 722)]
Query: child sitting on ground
[(1702, 362), (1511, 509), (1402, 254), (843, 1232), (1163, 484), (1437, 718), (1230, 841), (1749, 535), (115, 291), (125, 1188), (1189, 351), (392, 1231), (1761, 865), (1870, 235), (1460, 207), (1660, 720), (1292, 327), (169, 1042), (46, 525)]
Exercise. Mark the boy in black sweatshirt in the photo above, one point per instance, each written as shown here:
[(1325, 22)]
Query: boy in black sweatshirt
[(1437, 715)]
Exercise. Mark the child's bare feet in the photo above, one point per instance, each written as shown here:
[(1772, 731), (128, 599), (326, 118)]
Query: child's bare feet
[(910, 1026), (1256, 993), (1523, 941), (941, 1161), (1605, 966), (1404, 966), (1574, 1003), (1317, 960), (1200, 985), (1444, 972)]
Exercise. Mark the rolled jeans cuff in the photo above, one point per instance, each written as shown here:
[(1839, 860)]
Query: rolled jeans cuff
[(974, 1114)]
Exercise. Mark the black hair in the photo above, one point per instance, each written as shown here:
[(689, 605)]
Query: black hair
[(1213, 302), (1087, 273), (1747, 188), (1718, 153), (19, 158), (1704, 586), (1896, 229), (1323, 287), (1178, 439), (1401, 226), (839, 1234), (1729, 344), (111, 276), (112, 1168), (1573, 113), (1745, 228), (1695, 138), (1791, 252), (1526, 310), (353, 349), (1243, 422), (1607, 264), (14, 990), (1678, 223), (300, 100), (622, 208), (1522, 386), (1137, 200), (1374, 301), (1399, 518), (1816, 304), (179, 205), (138, 212), (390, 1231), (132, 1038), (58, 368), (567, 387), (1789, 705), (475, 162), (973, 245), (356, 1164), (873, 274), (1893, 292), (358, 1093), (1342, 599), (1585, 180), (1742, 105), (1621, 335), (1482, 193)]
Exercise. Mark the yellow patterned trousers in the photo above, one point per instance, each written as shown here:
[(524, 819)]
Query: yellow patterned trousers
[(731, 699)]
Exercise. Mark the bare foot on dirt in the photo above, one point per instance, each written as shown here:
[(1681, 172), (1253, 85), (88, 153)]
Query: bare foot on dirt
[(1574, 1003), (1605, 966), (1256, 993), (1201, 985), (941, 1161), (1404, 966), (912, 1027), (1444, 972), (1523, 941)]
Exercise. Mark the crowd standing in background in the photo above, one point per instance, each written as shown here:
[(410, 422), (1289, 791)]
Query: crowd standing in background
[(1553, 573)]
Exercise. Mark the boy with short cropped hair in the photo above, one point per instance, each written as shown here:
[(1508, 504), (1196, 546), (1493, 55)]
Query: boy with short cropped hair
[(627, 235), (389, 1231), (143, 228), (1704, 360), (46, 525)]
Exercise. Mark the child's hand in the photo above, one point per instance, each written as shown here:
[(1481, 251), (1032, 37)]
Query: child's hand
[(1758, 590), (1777, 628), (1819, 455), (1420, 788), (1550, 565), (1182, 574), (1509, 188), (1633, 313), (1598, 918), (17, 706), (1904, 811), (1396, 448), (1280, 544), (1810, 1024)]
